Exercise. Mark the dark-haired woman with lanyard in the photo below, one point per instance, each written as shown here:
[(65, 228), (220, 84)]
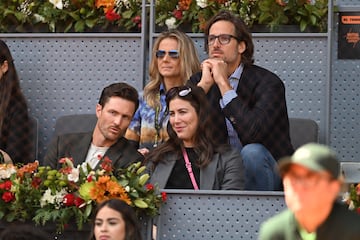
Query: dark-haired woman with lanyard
[(190, 159)]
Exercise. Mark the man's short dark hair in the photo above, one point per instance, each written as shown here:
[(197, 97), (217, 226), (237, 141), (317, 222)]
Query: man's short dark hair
[(122, 90), (241, 32)]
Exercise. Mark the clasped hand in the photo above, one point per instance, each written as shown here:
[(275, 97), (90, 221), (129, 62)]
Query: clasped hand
[(214, 70)]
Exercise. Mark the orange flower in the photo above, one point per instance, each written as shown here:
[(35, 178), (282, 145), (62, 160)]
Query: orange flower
[(105, 188), (28, 168), (107, 4), (357, 189), (202, 21), (184, 4)]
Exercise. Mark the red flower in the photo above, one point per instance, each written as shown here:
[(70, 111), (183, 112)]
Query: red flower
[(163, 196), (6, 185), (65, 170), (149, 186), (63, 160), (8, 196), (177, 14), (89, 178), (78, 201), (68, 200), (111, 15), (35, 183), (136, 19), (106, 164), (358, 210)]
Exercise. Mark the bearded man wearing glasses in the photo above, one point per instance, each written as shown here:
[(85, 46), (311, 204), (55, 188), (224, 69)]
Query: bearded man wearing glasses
[(248, 101)]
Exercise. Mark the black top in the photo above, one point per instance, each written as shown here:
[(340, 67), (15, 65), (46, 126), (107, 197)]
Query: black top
[(17, 134), (179, 177)]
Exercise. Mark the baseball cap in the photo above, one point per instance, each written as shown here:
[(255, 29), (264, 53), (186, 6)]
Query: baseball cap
[(314, 156)]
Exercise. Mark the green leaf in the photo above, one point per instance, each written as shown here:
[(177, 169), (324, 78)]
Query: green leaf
[(90, 23), (79, 26), (88, 210), (127, 14), (11, 216), (303, 25), (140, 203), (264, 17), (52, 26), (313, 20), (74, 16), (68, 27)]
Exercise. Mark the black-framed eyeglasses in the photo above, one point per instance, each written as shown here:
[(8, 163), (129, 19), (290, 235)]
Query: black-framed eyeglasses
[(171, 53), (223, 39)]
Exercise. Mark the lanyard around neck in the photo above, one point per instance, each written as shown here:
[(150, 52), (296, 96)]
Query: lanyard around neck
[(189, 169), (158, 123)]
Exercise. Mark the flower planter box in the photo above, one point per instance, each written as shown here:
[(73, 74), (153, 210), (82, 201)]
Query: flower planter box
[(70, 232), (260, 28)]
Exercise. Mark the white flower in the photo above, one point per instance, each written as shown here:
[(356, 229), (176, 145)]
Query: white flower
[(101, 172), (345, 196), (56, 199), (6, 171), (170, 23), (39, 18), (47, 198), (74, 175), (124, 3), (57, 3), (59, 198), (84, 167), (351, 205), (69, 162), (202, 3)]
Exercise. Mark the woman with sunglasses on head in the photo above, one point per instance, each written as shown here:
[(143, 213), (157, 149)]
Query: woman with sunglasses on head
[(115, 220), (191, 159), (15, 127), (173, 60)]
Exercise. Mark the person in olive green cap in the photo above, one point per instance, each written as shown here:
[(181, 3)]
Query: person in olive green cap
[(312, 183)]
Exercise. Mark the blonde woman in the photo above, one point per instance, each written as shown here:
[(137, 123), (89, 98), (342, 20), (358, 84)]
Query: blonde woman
[(174, 59)]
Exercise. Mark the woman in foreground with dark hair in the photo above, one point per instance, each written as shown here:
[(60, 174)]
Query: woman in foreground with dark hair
[(115, 220), (190, 159), (15, 127)]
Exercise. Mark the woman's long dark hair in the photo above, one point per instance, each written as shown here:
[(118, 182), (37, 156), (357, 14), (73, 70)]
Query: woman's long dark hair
[(205, 144), (9, 84), (132, 227)]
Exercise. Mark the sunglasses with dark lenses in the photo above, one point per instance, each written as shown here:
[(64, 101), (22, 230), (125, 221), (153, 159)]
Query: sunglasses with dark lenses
[(171, 53)]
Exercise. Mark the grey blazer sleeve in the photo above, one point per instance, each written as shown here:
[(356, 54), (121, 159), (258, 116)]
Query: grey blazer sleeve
[(230, 172)]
